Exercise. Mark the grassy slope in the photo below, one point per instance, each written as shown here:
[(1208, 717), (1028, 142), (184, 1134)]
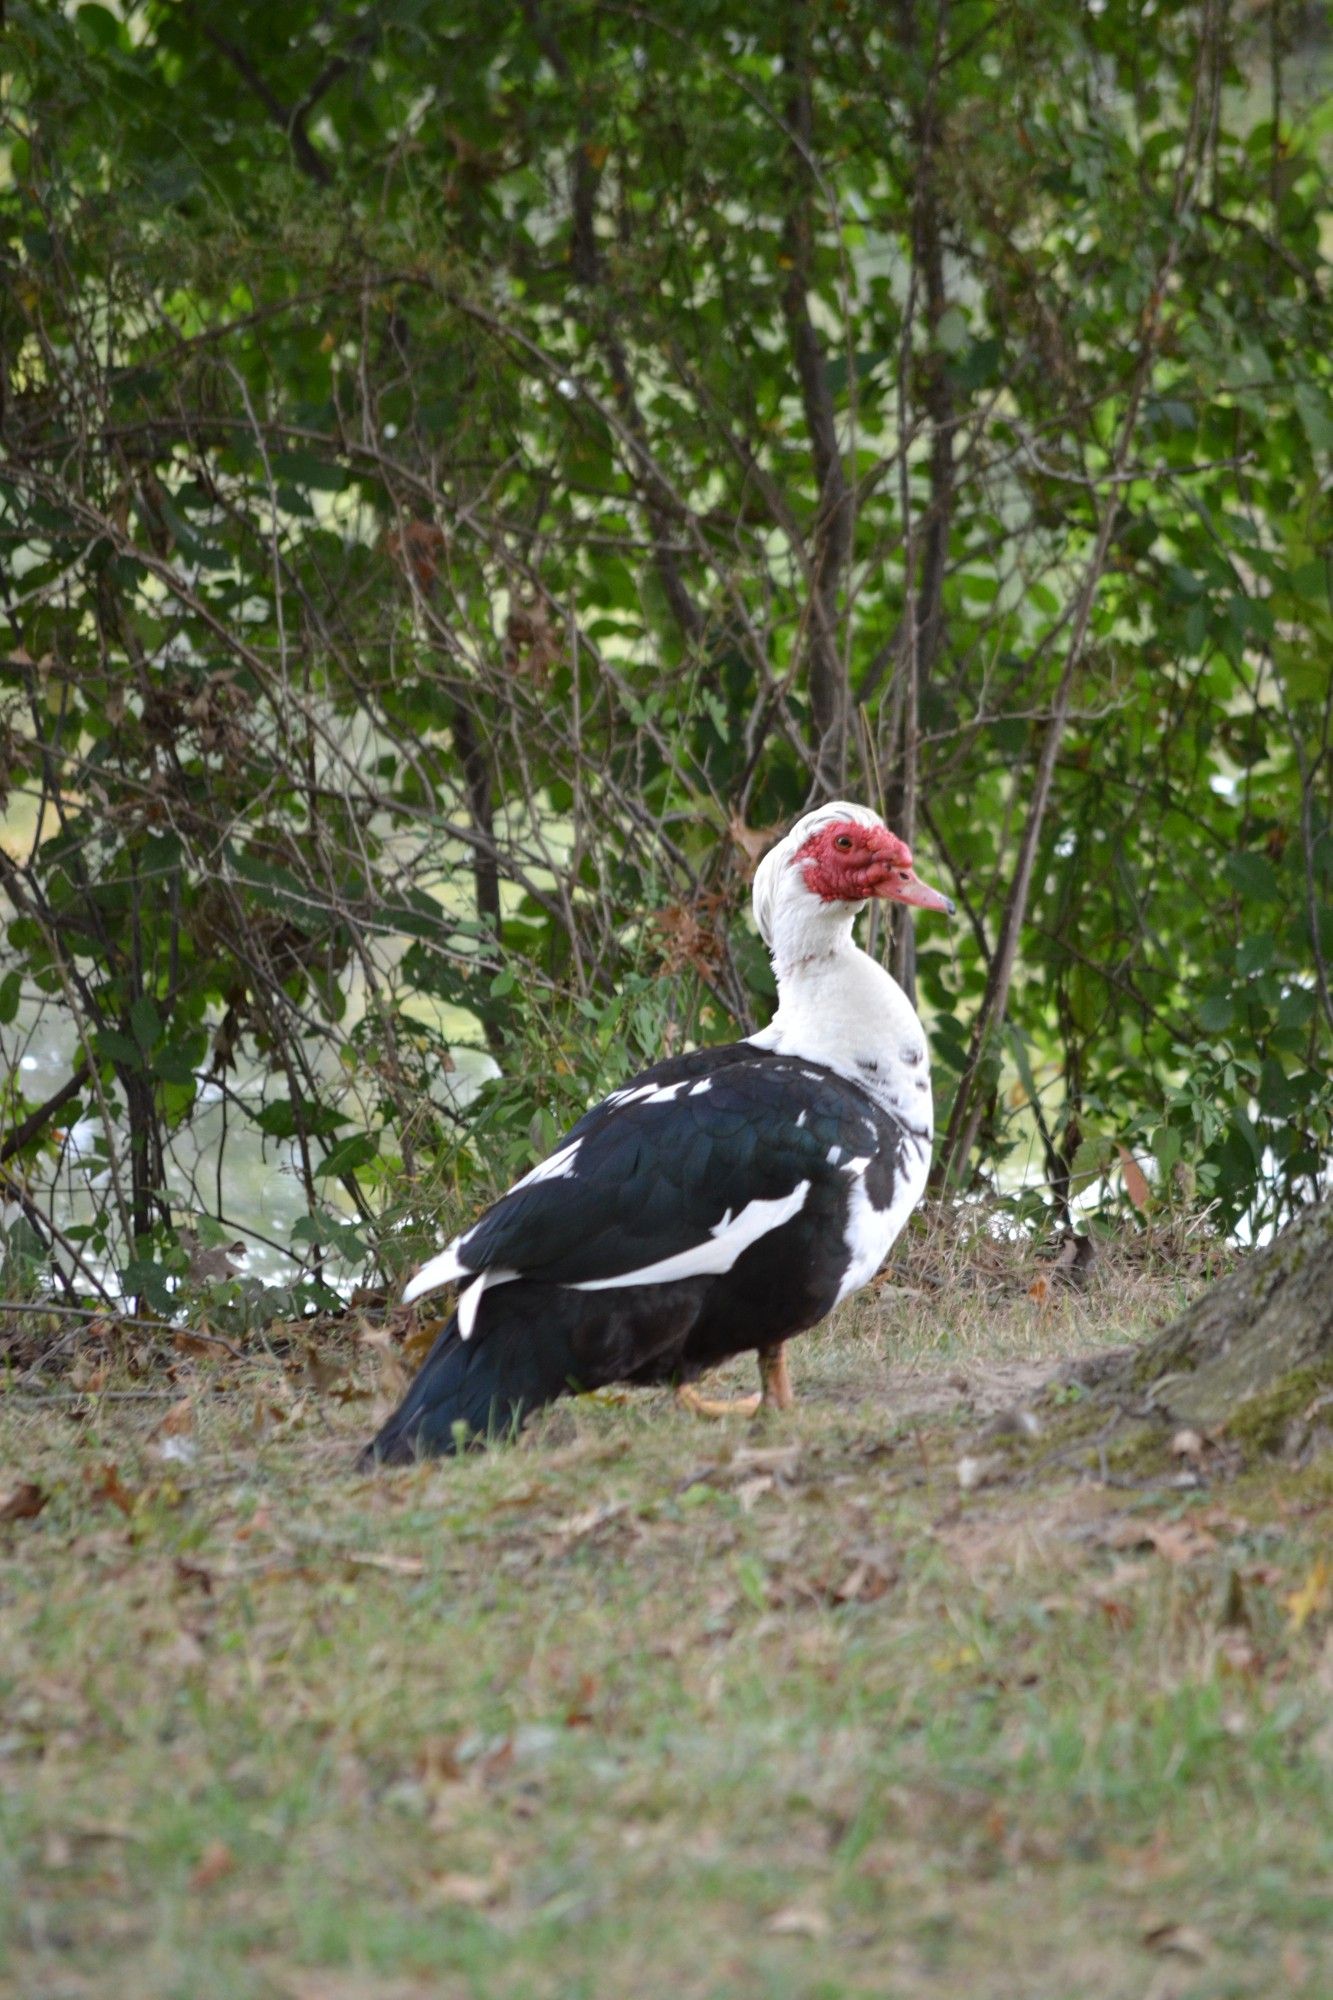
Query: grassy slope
[(652, 1707)]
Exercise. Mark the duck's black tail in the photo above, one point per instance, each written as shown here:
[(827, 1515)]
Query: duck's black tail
[(532, 1343), (470, 1389)]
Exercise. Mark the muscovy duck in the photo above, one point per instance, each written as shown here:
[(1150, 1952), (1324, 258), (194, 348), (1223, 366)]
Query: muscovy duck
[(724, 1199)]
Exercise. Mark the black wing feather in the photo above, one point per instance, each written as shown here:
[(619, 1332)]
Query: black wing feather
[(650, 1181)]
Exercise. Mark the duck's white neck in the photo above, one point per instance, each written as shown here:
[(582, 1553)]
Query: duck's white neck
[(836, 1006)]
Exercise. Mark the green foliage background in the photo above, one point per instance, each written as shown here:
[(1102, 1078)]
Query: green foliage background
[(467, 468)]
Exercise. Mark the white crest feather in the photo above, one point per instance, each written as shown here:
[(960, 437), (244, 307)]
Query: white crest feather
[(768, 876)]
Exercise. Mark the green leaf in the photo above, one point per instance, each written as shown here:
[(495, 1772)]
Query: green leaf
[(1254, 875), (355, 1151), (146, 1022), (1255, 954), (1217, 1011), (174, 1064), (118, 1048)]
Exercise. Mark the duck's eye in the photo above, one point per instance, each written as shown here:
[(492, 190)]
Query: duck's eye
[(844, 841)]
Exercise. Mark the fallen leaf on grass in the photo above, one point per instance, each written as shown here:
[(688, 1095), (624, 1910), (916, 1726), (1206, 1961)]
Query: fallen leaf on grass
[(1313, 1596), (592, 1518), (766, 1458), (105, 1829), (870, 1578), (193, 1576), (1176, 1541), (1117, 1611), (470, 1892), (216, 1862), (24, 1502), (179, 1419), (579, 1714), (754, 1489), (1181, 1940), (972, 1472), (196, 1344), (796, 1922), (395, 1565), (104, 1483)]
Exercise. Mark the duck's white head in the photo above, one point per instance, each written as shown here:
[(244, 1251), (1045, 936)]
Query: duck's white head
[(829, 866)]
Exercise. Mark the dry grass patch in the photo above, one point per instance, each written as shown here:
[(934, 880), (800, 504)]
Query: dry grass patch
[(649, 1706)]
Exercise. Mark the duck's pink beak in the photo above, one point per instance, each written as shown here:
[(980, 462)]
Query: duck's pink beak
[(904, 885)]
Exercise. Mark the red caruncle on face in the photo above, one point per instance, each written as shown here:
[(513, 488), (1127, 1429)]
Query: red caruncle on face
[(847, 862)]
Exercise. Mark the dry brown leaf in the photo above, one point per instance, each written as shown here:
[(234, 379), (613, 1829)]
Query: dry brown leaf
[(1312, 1597), (179, 1420), (1182, 1940), (1181, 1542), (579, 1714), (766, 1458), (753, 842), (105, 1483), (1136, 1185), (798, 1922), (193, 1576), (195, 1344), (864, 1583), (216, 1862), (23, 1502), (471, 1892), (688, 933), (394, 1565), (578, 1525), (1175, 1541), (417, 1344)]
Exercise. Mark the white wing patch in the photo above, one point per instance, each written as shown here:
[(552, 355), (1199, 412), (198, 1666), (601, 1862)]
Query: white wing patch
[(441, 1270), (655, 1093), (469, 1300), (666, 1093), (559, 1167), (871, 1231), (629, 1096), (718, 1251)]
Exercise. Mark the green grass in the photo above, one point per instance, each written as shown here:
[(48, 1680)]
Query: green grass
[(651, 1707)]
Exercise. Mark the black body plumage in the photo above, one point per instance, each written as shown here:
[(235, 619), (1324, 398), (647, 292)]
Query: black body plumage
[(658, 1174)]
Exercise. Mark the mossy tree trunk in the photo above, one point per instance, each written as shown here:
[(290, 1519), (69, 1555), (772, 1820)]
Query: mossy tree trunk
[(1253, 1354)]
